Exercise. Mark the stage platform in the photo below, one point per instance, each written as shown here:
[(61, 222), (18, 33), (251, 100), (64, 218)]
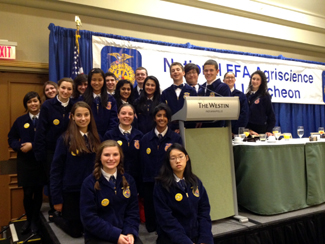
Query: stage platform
[(305, 226)]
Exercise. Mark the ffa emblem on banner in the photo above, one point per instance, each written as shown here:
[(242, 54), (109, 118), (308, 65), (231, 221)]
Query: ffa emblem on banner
[(257, 101), (212, 94), (121, 61), (105, 202), (136, 144), (26, 125), (186, 94), (178, 197), (196, 192), (109, 106), (127, 192), (167, 146)]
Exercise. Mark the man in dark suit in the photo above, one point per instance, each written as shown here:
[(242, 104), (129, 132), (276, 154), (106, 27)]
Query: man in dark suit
[(213, 87), (141, 74), (192, 72)]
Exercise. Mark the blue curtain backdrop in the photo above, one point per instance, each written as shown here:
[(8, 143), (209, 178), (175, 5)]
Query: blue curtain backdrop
[(61, 47)]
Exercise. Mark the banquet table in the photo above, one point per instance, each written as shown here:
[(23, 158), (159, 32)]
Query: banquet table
[(273, 178)]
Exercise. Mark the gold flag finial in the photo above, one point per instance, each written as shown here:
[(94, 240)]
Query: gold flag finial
[(78, 24)]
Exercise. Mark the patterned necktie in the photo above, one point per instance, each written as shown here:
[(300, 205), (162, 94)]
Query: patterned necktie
[(209, 89), (97, 101), (127, 136), (86, 140), (182, 184), (160, 137), (35, 122), (112, 180)]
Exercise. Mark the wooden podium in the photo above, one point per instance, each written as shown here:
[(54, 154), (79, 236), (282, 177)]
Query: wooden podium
[(211, 151)]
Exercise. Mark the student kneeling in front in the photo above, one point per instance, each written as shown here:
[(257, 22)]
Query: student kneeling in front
[(181, 202), (108, 200)]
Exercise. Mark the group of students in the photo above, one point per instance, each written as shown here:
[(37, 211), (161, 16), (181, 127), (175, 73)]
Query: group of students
[(256, 111), (98, 149), (85, 146)]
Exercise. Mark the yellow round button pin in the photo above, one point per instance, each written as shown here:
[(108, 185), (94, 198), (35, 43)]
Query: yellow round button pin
[(56, 122), (148, 150), (75, 154), (178, 197), (26, 125), (120, 142), (105, 202)]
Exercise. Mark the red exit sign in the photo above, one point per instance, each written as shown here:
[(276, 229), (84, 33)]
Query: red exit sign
[(7, 52)]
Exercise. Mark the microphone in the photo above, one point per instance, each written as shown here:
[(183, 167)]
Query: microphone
[(206, 88)]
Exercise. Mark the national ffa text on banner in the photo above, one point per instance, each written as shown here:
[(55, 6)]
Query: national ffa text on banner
[(288, 81)]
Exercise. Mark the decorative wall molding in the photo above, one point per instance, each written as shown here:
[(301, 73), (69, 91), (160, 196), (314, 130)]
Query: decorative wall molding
[(22, 66)]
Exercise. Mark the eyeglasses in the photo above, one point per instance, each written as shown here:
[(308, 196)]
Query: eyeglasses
[(230, 78), (191, 73), (174, 159)]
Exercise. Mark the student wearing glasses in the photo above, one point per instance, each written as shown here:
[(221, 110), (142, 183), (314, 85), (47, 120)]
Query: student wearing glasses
[(154, 145), (181, 201)]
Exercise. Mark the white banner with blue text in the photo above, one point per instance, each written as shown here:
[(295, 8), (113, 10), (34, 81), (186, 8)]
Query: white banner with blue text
[(288, 81)]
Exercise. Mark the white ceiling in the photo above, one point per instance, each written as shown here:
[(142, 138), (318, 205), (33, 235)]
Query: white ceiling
[(316, 7)]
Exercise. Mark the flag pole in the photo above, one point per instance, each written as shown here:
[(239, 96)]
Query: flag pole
[(77, 65), (78, 24)]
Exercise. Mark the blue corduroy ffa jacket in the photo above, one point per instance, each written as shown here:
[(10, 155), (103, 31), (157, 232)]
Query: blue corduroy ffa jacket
[(106, 214), (68, 170), (183, 216), (175, 103), (131, 149), (53, 121), (105, 118), (152, 152)]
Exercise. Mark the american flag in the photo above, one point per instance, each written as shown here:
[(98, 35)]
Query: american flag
[(77, 65)]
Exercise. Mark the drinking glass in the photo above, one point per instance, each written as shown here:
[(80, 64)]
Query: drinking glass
[(277, 132), (262, 137), (321, 130), (300, 131), (246, 132), (241, 132)]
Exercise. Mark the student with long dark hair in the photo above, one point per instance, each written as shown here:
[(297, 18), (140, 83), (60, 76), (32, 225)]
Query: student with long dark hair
[(80, 85), (261, 113), (108, 200), (29, 170), (145, 104), (153, 147), (73, 161), (181, 201), (123, 92), (102, 104), (53, 121), (129, 139)]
